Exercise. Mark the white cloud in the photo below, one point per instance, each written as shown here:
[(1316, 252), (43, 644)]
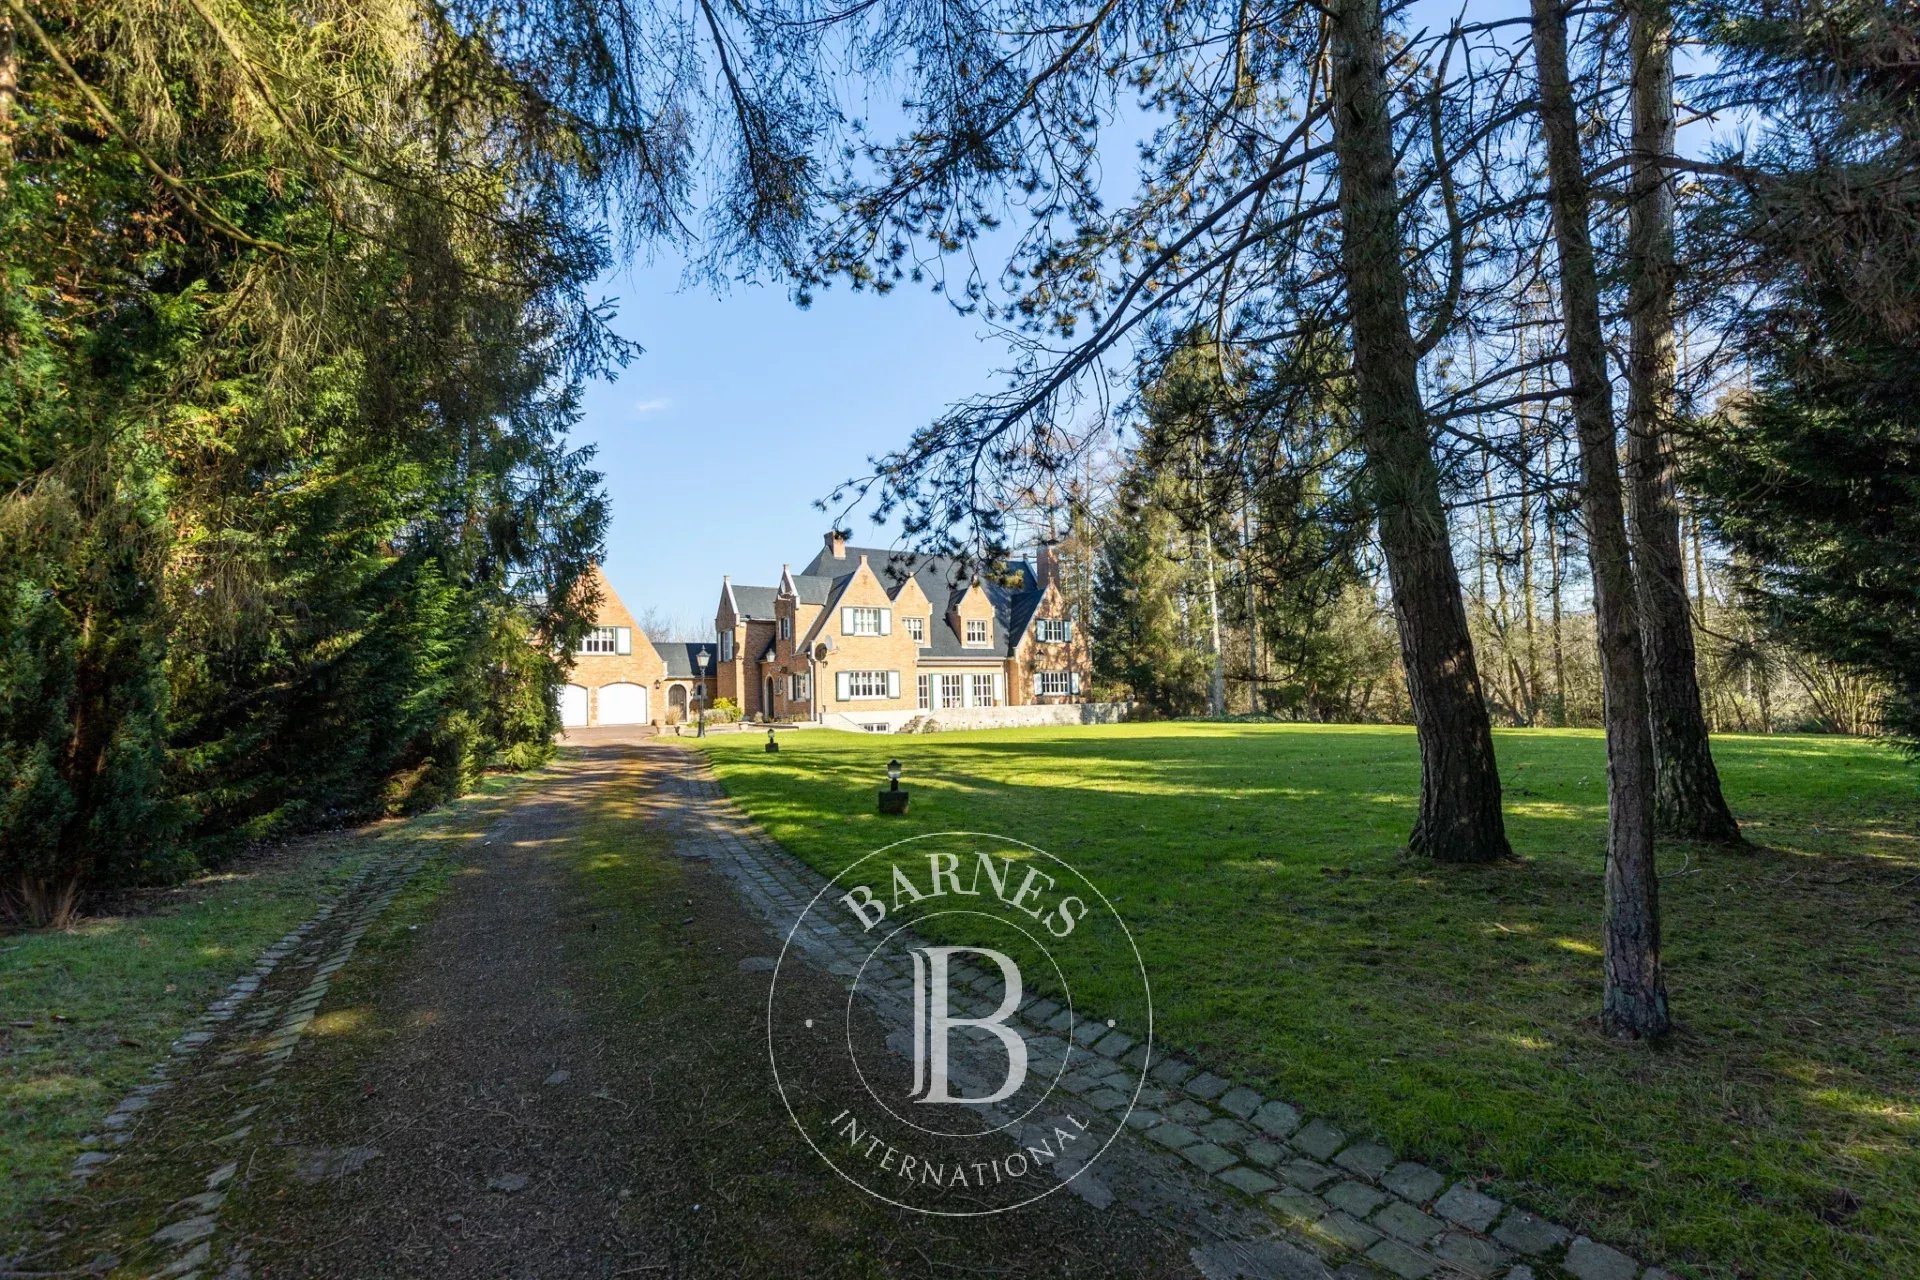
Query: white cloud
[(655, 405)]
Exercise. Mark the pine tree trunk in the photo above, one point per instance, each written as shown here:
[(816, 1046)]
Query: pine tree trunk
[(1217, 686), (1530, 614), (1635, 1002), (1557, 583), (1254, 683), (1687, 800), (1459, 819)]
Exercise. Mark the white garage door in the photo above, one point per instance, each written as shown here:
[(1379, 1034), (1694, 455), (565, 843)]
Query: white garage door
[(623, 704), (573, 706)]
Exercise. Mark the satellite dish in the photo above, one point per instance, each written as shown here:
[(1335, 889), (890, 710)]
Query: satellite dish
[(821, 650)]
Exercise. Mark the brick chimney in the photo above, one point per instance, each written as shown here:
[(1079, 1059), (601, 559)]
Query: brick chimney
[(837, 543), (1046, 566)]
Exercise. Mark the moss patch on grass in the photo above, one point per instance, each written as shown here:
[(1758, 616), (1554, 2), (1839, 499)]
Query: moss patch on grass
[(1290, 939), (90, 1009)]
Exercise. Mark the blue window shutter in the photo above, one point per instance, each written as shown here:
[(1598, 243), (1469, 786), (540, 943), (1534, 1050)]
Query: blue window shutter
[(893, 684), (1066, 631), (840, 685), (623, 639), (886, 623), (1075, 686)]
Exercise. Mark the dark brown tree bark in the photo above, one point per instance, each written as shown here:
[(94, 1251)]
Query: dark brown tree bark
[(1635, 1003), (1460, 819), (1687, 799)]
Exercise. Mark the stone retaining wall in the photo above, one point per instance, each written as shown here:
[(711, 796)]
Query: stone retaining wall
[(955, 719), (1030, 716)]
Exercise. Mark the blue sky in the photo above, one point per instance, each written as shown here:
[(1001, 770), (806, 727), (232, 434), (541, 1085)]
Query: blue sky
[(744, 410)]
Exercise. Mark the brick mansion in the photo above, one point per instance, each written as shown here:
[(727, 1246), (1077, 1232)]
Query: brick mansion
[(860, 638)]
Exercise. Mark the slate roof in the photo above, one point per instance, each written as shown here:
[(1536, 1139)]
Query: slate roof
[(1024, 603), (754, 602), (679, 657), (813, 588), (942, 580)]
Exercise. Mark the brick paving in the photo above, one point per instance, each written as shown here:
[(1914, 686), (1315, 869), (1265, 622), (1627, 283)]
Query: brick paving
[(238, 1048)]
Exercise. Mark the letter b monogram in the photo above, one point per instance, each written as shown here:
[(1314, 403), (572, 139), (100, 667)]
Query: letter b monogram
[(932, 1024)]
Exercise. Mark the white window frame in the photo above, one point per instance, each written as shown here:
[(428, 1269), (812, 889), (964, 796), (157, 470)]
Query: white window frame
[(953, 692), (865, 620), (986, 633), (1053, 630), (983, 689), (606, 641), (1067, 684), (916, 628), (797, 688), (866, 686), (923, 685)]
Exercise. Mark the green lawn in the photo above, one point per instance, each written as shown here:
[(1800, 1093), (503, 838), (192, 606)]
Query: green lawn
[(88, 1010), (1450, 1008)]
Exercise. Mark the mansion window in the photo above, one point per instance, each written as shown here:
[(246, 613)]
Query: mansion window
[(952, 692), (924, 686), (726, 646), (859, 621), (868, 684), (1054, 683), (977, 631), (983, 690), (1052, 630), (786, 628), (917, 630), (797, 688), (607, 640)]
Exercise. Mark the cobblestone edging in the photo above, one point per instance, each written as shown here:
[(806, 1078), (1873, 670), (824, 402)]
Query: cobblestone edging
[(1348, 1196), (253, 1027)]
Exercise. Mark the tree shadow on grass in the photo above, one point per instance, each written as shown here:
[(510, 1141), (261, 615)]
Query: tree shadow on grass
[(1450, 1007)]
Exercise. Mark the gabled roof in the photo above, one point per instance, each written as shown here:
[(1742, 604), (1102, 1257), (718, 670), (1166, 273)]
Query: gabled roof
[(943, 580), (806, 587), (754, 602), (679, 655), (611, 610), (1024, 604)]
